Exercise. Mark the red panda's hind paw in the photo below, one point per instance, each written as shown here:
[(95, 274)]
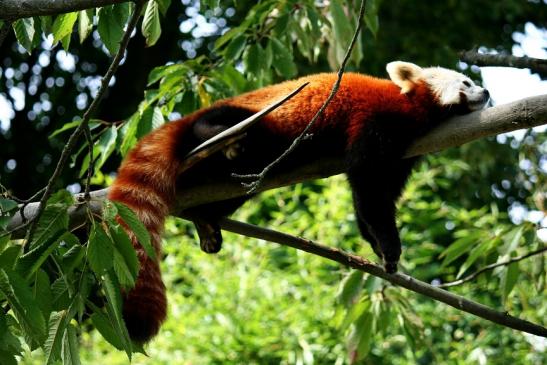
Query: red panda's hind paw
[(210, 237), (390, 267)]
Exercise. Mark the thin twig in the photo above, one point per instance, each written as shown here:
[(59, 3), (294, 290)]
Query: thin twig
[(406, 281), (491, 267), (71, 143), (259, 178), (502, 60), (87, 133)]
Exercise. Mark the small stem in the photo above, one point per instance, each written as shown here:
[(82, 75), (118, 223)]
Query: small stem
[(259, 178), (71, 143), (491, 267)]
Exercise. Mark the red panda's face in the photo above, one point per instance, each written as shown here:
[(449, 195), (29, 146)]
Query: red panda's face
[(449, 87)]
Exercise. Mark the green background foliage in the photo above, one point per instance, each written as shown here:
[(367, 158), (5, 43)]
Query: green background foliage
[(256, 302)]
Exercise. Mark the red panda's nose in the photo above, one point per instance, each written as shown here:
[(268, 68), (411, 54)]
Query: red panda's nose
[(486, 93)]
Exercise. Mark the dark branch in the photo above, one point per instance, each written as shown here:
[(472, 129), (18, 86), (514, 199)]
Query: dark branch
[(536, 65), (71, 143), (259, 178), (16, 9), (408, 282), (492, 267)]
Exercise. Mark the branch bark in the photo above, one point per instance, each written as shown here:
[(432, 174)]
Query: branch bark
[(15, 9), (400, 279), (480, 59), (525, 113)]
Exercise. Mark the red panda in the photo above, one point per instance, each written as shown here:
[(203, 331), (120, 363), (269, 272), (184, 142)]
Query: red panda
[(370, 122)]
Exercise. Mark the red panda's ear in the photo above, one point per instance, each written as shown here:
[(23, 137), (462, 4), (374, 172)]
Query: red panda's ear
[(404, 74)]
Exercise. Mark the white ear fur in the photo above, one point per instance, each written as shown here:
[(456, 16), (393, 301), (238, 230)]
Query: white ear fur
[(404, 74)]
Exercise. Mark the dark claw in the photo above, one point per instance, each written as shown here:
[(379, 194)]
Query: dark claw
[(390, 267)]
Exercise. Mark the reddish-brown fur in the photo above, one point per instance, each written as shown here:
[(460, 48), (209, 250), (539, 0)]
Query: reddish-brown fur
[(146, 179)]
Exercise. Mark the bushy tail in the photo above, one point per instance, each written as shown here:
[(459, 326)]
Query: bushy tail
[(146, 184)]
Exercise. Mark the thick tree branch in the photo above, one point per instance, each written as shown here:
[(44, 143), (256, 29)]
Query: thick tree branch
[(525, 113), (536, 65), (408, 282), (15, 9)]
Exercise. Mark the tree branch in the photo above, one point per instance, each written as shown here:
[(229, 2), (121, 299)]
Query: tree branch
[(16, 9), (492, 267), (259, 178), (525, 113), (408, 282), (480, 59), (71, 143)]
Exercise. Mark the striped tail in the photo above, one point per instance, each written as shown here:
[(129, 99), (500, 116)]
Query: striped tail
[(146, 184)]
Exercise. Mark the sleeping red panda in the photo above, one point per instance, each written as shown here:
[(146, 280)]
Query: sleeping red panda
[(370, 122)]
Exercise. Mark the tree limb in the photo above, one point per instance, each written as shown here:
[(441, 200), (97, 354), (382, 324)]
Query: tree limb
[(16, 9), (536, 65), (492, 267), (400, 279), (71, 143), (258, 179), (525, 113)]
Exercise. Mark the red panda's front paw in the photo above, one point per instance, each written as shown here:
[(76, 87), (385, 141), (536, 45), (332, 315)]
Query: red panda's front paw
[(390, 267)]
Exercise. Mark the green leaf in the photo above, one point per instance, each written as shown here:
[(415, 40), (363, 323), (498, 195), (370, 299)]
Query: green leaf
[(106, 144), (282, 59), (105, 328), (7, 209), (371, 16), (129, 131), (72, 258), (235, 47), (140, 231), (63, 25), (125, 248), (460, 247), (52, 346), (151, 119), (161, 71), (475, 254), (252, 59), (114, 309), (54, 219), (24, 306), (24, 32), (360, 336), (99, 250), (151, 27), (509, 279), (7, 205), (164, 6), (42, 292), (60, 293), (31, 261), (350, 288), (8, 341), (111, 25), (85, 23), (70, 350)]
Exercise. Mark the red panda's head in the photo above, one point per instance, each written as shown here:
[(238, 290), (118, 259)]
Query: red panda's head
[(450, 88)]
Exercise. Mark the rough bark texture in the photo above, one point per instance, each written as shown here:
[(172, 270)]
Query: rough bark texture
[(15, 9), (525, 113), (480, 59)]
